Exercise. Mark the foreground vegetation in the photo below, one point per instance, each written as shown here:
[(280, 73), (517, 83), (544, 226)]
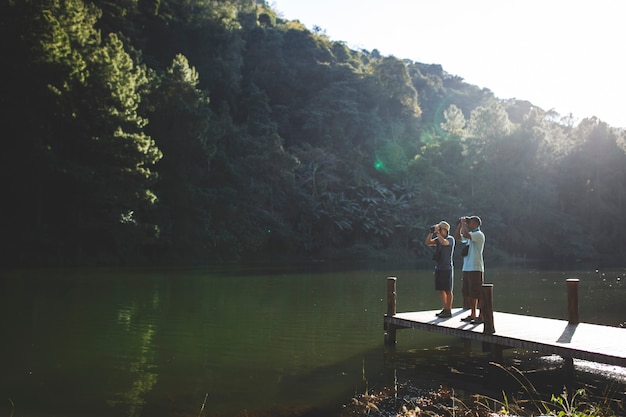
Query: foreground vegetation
[(408, 401), (199, 131), (412, 402)]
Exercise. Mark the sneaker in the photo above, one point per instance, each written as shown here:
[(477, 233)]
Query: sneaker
[(477, 320), (468, 318), (441, 312), (445, 314)]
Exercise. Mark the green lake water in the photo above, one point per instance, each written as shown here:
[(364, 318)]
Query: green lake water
[(109, 342)]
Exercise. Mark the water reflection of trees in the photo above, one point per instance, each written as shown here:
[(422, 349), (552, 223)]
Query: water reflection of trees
[(139, 360)]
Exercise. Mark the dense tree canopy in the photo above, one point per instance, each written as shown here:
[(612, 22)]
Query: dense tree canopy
[(203, 131)]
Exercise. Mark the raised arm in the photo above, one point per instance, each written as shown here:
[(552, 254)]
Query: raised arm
[(429, 239), (463, 229), (457, 231)]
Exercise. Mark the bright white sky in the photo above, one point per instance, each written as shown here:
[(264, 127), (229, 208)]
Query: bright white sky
[(566, 55)]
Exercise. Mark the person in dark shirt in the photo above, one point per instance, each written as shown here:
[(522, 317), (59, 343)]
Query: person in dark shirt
[(440, 238)]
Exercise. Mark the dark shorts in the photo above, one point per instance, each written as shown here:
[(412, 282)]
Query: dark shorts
[(472, 284), (443, 280)]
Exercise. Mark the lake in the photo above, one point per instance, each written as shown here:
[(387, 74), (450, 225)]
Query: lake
[(260, 341)]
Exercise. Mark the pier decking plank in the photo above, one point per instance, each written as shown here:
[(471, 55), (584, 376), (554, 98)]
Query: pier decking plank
[(597, 343)]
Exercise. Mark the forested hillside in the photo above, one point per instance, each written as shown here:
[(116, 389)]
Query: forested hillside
[(198, 131)]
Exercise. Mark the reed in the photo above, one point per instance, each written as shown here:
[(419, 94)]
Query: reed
[(203, 405)]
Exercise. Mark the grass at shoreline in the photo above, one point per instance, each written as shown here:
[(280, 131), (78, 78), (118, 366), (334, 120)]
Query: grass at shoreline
[(409, 401), (412, 402)]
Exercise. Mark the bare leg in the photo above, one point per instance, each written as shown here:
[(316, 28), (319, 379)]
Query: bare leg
[(473, 303), (449, 298)]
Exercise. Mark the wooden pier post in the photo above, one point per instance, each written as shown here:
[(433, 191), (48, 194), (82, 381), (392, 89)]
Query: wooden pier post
[(486, 308), (572, 300), (390, 329)]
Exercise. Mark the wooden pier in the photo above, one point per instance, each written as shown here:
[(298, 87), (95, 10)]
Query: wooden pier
[(567, 338)]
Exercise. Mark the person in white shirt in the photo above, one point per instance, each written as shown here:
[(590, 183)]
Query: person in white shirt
[(469, 233)]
